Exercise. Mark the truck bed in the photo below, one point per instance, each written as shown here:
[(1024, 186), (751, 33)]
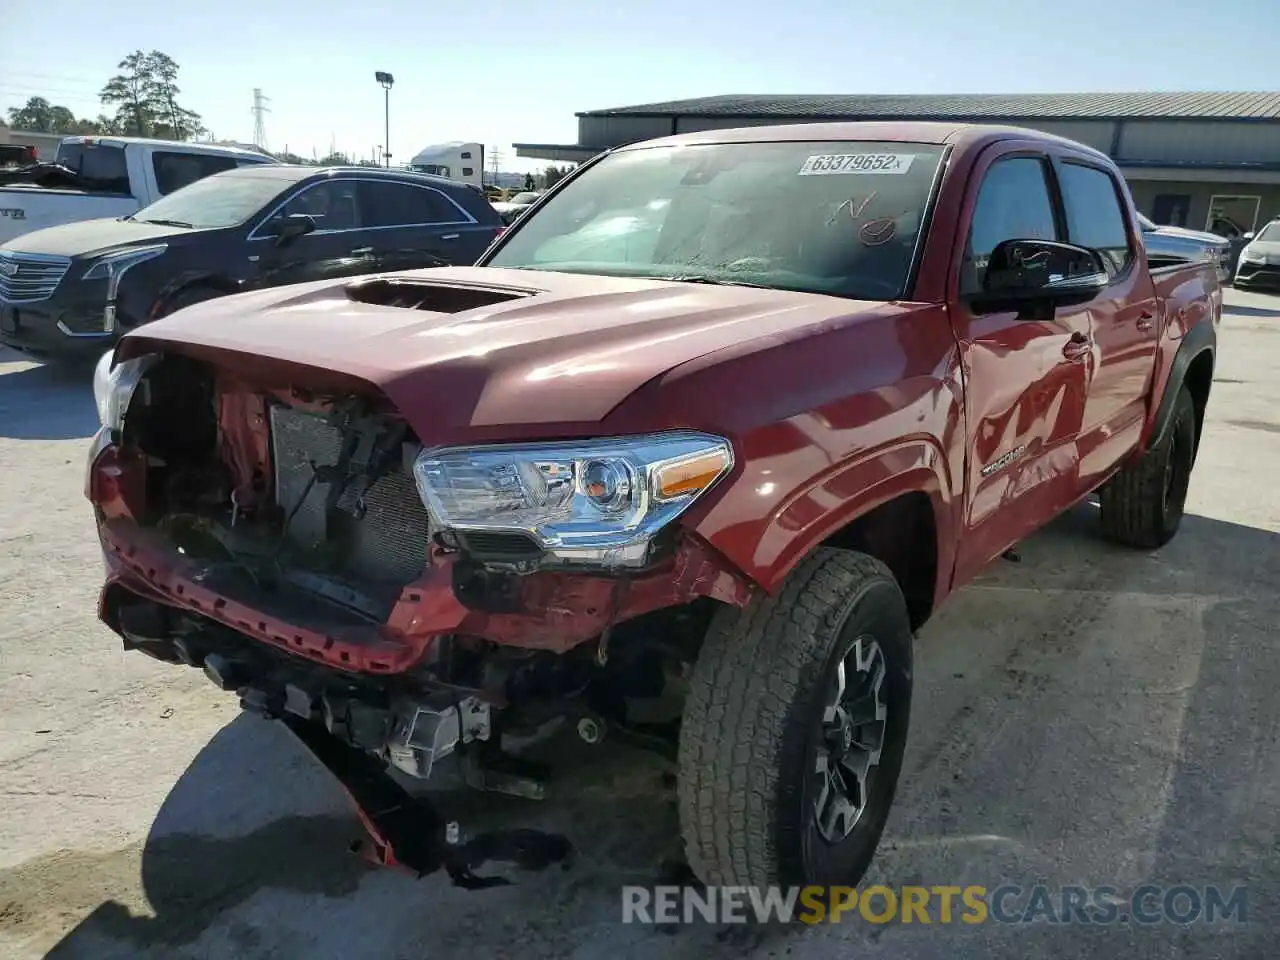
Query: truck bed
[(27, 207), (1187, 292), (35, 188)]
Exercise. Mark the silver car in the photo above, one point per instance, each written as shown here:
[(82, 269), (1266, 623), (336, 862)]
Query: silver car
[(509, 210), (1260, 259)]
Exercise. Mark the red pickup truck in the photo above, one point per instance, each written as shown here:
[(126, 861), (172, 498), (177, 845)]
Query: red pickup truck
[(685, 460)]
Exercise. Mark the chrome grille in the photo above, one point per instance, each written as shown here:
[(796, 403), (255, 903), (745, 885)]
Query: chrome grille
[(390, 541), (26, 277)]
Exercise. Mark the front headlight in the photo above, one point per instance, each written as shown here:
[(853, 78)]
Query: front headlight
[(113, 265), (113, 387), (1247, 255), (598, 502)]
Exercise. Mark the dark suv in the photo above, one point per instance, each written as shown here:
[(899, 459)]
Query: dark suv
[(69, 291)]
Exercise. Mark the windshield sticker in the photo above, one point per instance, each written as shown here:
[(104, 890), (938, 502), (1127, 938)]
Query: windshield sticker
[(825, 163)]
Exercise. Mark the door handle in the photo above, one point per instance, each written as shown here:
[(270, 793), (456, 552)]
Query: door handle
[(1077, 348), (1146, 321), (451, 236), (362, 251)]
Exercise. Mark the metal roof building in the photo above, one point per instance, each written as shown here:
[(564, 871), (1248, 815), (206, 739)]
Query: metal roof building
[(1201, 160)]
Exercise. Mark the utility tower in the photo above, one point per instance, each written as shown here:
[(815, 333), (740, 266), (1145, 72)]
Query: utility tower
[(260, 111), (495, 158)]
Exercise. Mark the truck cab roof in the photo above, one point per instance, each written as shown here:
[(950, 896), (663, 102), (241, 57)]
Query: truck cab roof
[(182, 145), (911, 131)]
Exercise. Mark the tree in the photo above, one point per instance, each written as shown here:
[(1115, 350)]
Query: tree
[(37, 116), (145, 97), (173, 122), (103, 126), (335, 159), (287, 157), (129, 92), (553, 175), (41, 116), (63, 120)]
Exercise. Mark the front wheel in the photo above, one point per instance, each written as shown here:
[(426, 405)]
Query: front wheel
[(795, 726), (197, 293)]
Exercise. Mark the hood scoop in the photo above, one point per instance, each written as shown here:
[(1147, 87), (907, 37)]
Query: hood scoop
[(413, 294)]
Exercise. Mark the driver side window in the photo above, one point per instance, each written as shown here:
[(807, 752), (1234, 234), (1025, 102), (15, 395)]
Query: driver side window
[(331, 203), (1013, 204)]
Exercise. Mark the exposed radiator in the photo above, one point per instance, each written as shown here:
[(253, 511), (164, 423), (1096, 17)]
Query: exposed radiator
[(389, 544)]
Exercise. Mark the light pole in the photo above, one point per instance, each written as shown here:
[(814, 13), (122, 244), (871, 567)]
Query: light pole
[(386, 80)]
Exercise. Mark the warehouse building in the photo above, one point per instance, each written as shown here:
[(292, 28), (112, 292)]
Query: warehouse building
[(1199, 160)]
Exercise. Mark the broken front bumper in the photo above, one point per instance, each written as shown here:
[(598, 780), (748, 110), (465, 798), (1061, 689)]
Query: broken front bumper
[(407, 832), (549, 611), (330, 676)]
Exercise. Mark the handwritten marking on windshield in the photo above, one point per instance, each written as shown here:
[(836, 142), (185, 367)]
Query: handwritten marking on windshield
[(873, 233), (854, 212)]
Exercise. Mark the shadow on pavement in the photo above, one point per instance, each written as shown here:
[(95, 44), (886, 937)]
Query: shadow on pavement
[(1240, 310), (44, 402), (247, 856)]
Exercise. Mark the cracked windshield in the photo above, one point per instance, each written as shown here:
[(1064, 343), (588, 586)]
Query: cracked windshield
[(839, 218)]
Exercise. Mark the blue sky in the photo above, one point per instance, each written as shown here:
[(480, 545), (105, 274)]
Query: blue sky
[(500, 71)]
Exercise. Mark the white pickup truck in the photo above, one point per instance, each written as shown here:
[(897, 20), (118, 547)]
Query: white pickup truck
[(107, 177)]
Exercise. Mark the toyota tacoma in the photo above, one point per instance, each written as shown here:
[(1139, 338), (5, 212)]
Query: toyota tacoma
[(690, 454)]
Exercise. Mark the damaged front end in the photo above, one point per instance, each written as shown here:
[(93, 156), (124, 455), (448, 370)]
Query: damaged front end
[(394, 601)]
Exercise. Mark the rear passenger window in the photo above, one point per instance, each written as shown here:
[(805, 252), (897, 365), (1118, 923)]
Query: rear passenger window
[(1094, 216), (175, 170), (1013, 204), (391, 204)]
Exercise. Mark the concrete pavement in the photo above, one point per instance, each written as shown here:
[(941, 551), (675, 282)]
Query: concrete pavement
[(1088, 716)]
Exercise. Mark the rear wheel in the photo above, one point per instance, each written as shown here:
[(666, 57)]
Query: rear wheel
[(1142, 505), (795, 726)]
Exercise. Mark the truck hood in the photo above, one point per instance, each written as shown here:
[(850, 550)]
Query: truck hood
[(89, 237), (565, 350)]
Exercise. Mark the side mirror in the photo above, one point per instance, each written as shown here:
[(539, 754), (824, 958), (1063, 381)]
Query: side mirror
[(290, 228), (1027, 273), (1247, 236)]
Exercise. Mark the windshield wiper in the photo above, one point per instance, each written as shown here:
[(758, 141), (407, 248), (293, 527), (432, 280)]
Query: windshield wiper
[(170, 223), (714, 281)]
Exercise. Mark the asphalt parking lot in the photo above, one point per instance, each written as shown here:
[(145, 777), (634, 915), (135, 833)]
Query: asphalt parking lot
[(1086, 716)]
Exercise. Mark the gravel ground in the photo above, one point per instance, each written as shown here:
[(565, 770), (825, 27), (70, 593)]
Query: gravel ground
[(1087, 716)]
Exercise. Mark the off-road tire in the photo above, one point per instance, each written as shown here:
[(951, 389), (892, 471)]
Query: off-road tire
[(1142, 505), (747, 739)]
